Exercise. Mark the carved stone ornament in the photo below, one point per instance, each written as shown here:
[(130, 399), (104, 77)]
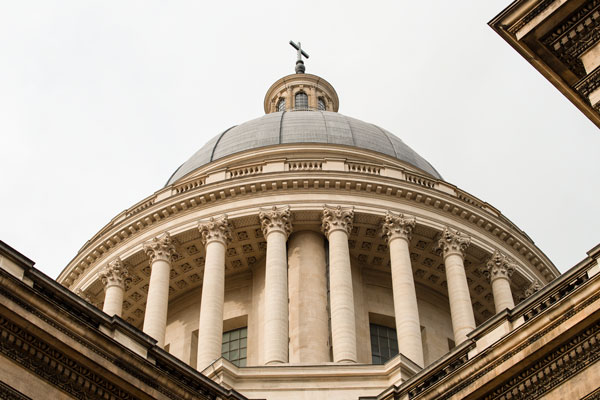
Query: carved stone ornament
[(398, 226), (454, 242), (115, 273), (160, 248), (275, 219), (216, 229), (499, 266), (534, 287), (335, 218)]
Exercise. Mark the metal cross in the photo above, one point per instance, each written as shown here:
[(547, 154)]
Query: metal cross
[(300, 51)]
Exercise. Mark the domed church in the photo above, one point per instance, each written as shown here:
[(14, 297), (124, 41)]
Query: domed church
[(308, 254)]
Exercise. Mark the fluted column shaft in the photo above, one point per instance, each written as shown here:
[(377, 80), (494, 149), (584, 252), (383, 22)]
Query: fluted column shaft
[(499, 269), (398, 230), (337, 223), (161, 251), (276, 226), (454, 245), (215, 236), (113, 276)]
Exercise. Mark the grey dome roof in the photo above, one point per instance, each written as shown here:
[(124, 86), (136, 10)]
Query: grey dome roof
[(302, 127)]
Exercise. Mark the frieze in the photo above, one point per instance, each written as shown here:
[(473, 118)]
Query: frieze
[(530, 16), (579, 32), (54, 366), (496, 225), (553, 369), (416, 391), (8, 393)]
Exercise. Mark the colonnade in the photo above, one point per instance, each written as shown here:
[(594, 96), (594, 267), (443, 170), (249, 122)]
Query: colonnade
[(276, 225)]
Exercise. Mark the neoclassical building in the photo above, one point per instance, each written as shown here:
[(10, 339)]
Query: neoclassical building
[(307, 246), (303, 255)]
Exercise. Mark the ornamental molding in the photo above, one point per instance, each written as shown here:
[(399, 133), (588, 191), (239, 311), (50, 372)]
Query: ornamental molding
[(115, 273), (276, 220), (337, 218), (460, 206), (453, 242), (530, 16), (499, 266), (576, 34), (216, 229), (462, 359), (398, 226), (54, 366), (160, 248)]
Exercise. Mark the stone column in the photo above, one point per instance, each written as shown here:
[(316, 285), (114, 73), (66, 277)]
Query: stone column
[(276, 226), (398, 231), (337, 223), (454, 244), (289, 106), (113, 276), (161, 251), (309, 318), (498, 270), (216, 233)]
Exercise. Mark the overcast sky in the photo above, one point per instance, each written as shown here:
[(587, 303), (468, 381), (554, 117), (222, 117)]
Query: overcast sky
[(101, 101)]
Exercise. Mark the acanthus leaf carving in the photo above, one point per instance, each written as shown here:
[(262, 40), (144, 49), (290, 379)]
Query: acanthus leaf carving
[(454, 242), (115, 273), (161, 248), (216, 229), (276, 219), (337, 218), (499, 266), (395, 226)]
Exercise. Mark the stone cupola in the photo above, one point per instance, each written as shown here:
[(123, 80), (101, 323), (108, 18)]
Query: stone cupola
[(301, 92)]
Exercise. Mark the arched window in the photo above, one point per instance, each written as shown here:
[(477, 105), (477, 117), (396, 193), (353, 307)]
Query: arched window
[(301, 101), (321, 104), (281, 105)]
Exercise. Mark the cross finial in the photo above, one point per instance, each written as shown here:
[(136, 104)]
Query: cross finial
[(299, 62)]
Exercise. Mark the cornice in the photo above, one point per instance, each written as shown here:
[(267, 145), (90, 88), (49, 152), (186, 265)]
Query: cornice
[(422, 191)]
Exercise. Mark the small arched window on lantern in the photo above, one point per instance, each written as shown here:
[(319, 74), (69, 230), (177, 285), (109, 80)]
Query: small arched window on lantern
[(301, 101), (281, 104), (321, 104)]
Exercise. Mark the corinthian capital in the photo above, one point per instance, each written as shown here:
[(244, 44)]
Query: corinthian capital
[(454, 242), (160, 248), (398, 226), (499, 266), (337, 218), (533, 288), (276, 220), (114, 273), (216, 230)]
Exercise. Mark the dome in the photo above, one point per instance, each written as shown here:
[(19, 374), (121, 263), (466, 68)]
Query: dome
[(303, 127)]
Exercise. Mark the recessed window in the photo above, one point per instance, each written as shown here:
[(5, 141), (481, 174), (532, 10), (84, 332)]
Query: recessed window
[(384, 343), (321, 104), (235, 343), (301, 101), (281, 105)]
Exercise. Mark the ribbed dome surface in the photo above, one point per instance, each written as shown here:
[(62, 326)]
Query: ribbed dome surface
[(303, 127)]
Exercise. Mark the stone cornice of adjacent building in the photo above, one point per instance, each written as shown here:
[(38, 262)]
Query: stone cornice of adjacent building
[(265, 173), (79, 350), (554, 36), (551, 336)]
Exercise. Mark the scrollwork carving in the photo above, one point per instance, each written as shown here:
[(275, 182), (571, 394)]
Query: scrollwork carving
[(115, 273), (499, 266), (276, 219), (216, 230), (160, 248), (395, 226), (453, 242), (337, 218)]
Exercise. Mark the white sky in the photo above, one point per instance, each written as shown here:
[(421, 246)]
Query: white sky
[(101, 101)]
